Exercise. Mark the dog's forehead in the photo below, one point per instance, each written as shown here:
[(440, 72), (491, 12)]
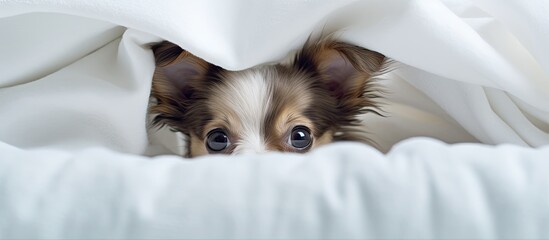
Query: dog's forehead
[(242, 97), (256, 103), (250, 95)]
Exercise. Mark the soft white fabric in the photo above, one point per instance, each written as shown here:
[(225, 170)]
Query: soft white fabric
[(421, 189), (471, 70)]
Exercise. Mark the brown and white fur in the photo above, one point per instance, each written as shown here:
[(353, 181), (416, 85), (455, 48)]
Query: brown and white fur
[(322, 91)]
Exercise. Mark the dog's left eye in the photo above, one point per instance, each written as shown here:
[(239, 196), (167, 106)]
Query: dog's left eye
[(217, 140), (300, 137)]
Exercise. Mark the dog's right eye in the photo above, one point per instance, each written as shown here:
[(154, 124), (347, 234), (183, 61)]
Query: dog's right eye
[(217, 140)]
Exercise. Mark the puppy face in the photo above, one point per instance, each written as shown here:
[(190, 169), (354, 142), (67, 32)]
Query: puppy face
[(286, 107)]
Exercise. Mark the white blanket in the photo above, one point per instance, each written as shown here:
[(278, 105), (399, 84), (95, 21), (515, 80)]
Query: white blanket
[(472, 71), (343, 191), (76, 75)]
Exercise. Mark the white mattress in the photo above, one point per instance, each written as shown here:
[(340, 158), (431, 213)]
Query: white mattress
[(76, 160)]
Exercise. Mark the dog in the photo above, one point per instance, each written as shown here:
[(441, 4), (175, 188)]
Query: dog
[(313, 99)]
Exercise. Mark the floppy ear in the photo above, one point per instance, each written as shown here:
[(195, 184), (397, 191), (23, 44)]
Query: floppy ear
[(177, 76), (345, 70)]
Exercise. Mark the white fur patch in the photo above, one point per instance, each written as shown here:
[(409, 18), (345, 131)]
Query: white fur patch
[(247, 95)]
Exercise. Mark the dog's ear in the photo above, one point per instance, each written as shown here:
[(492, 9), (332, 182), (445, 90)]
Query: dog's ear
[(345, 70), (177, 76), (177, 71), (347, 73)]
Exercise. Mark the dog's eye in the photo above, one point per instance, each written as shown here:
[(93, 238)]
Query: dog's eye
[(300, 137), (217, 140)]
